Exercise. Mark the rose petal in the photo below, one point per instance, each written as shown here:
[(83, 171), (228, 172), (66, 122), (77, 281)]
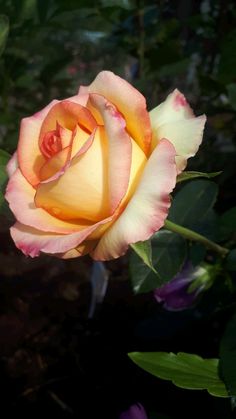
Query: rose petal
[(32, 241), (20, 195), (65, 136), (80, 99), (56, 164), (186, 136), (174, 120), (148, 208), (29, 155), (174, 108), (83, 249), (67, 114), (119, 149), (12, 165), (129, 101), (82, 191), (80, 138)]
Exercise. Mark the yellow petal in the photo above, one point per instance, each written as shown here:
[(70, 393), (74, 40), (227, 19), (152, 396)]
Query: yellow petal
[(82, 191)]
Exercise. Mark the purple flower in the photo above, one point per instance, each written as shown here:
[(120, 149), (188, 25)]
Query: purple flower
[(136, 411), (181, 292)]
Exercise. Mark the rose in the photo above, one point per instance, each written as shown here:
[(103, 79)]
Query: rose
[(93, 173)]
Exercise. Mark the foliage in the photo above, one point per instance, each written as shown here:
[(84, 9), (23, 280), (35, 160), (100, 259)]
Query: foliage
[(184, 370)]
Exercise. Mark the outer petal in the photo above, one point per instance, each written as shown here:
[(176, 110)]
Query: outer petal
[(129, 101), (174, 108), (174, 120), (32, 241), (29, 155), (186, 136), (20, 195), (148, 208), (119, 149)]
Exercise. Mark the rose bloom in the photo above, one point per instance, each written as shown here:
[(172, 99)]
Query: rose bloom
[(93, 173)]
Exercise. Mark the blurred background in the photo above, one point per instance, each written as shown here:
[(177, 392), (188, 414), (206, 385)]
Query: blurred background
[(53, 358)]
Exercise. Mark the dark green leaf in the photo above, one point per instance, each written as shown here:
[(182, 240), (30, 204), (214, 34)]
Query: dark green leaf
[(228, 222), (184, 370), (192, 175), (197, 253), (192, 203), (231, 88), (4, 30), (4, 157), (226, 69), (144, 251), (3, 179), (231, 260), (227, 363), (168, 255)]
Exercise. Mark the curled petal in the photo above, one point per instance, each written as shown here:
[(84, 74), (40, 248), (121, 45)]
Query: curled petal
[(174, 108), (67, 114), (129, 101), (186, 136), (119, 149), (174, 120), (148, 208), (29, 156), (55, 167)]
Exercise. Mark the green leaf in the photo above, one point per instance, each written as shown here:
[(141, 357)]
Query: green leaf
[(3, 176), (231, 260), (4, 30), (192, 175), (193, 202), (184, 370), (4, 157), (3, 179), (168, 255), (197, 253), (144, 251), (227, 365)]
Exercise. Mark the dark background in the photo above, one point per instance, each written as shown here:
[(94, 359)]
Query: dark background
[(53, 359)]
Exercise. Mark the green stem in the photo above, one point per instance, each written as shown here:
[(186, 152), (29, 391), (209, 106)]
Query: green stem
[(192, 235)]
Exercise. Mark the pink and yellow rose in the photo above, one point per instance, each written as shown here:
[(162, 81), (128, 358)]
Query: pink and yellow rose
[(93, 173)]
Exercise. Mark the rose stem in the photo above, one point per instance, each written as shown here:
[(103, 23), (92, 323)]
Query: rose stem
[(193, 236)]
